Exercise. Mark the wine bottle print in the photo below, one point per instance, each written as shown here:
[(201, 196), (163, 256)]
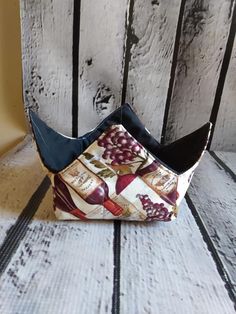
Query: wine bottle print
[(90, 187), (63, 200), (99, 167), (121, 152), (161, 181)]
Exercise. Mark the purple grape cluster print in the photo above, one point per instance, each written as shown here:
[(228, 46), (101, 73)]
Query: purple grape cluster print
[(154, 211), (119, 146)]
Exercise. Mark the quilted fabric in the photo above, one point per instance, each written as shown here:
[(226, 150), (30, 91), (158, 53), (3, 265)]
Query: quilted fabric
[(116, 176)]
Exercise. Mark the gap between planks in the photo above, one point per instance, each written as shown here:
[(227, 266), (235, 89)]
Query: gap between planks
[(21, 164), (213, 193), (17, 276), (55, 259), (60, 267), (169, 269)]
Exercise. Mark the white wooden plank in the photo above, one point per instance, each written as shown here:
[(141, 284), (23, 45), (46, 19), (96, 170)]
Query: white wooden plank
[(60, 267), (213, 193), (202, 45), (20, 175), (47, 60), (167, 268), (224, 137), (229, 158), (153, 36), (102, 41)]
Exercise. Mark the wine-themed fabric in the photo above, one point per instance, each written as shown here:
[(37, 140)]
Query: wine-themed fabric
[(118, 170), (117, 178)]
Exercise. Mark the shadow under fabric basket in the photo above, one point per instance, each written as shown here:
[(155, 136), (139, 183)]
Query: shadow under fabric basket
[(118, 170)]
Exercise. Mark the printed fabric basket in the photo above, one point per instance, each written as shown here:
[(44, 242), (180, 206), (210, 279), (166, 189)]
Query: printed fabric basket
[(118, 170)]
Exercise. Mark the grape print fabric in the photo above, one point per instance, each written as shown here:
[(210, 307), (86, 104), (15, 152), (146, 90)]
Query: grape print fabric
[(116, 178), (118, 170)]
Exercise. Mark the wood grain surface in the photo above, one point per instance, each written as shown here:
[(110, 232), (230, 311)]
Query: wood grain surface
[(167, 268), (20, 175), (47, 62), (213, 192), (224, 137), (202, 45), (84, 62), (101, 56), (60, 267), (229, 158), (152, 39), (129, 51)]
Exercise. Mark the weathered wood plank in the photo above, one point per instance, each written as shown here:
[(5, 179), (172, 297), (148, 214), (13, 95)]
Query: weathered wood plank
[(167, 268), (20, 175), (60, 267), (153, 36), (229, 158), (47, 60), (213, 192), (224, 137), (102, 41), (205, 30)]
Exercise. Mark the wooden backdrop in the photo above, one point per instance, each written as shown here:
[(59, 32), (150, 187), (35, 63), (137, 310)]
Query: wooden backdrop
[(173, 60)]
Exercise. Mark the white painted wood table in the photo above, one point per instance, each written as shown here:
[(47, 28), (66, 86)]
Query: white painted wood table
[(48, 266), (174, 61)]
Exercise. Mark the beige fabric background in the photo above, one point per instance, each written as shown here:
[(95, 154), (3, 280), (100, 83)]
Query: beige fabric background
[(12, 120)]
